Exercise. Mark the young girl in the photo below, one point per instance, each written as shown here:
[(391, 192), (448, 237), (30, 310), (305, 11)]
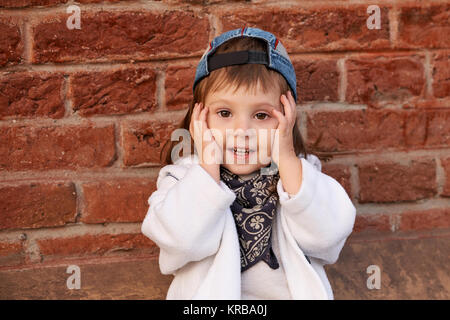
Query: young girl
[(226, 230)]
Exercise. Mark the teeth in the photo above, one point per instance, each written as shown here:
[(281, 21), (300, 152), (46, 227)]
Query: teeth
[(241, 150)]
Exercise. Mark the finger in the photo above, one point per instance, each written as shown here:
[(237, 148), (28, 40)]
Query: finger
[(292, 111), (291, 98), (205, 124), (197, 110), (280, 117), (287, 108), (193, 116), (197, 124), (294, 106), (204, 112)]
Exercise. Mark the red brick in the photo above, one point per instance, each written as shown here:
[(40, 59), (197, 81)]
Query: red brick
[(416, 128), (99, 245), (31, 94), (11, 44), (205, 2), (30, 3), (427, 26), (441, 74), (98, 1), (116, 200), (355, 130), (438, 128), (124, 35), (65, 147), (379, 80), (325, 28), (179, 81), (103, 278), (446, 165), (341, 174), (427, 128), (114, 92), (390, 181), (317, 80), (143, 142), (427, 219), (372, 223), (37, 205), (11, 253)]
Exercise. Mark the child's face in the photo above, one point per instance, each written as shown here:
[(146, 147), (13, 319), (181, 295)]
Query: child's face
[(250, 113)]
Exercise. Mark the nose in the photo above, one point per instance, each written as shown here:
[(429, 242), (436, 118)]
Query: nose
[(241, 123), (243, 132)]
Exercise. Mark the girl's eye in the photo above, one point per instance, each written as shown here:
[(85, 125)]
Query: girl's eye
[(258, 115), (220, 112), (264, 114)]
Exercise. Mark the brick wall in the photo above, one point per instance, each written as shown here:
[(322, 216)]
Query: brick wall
[(84, 114)]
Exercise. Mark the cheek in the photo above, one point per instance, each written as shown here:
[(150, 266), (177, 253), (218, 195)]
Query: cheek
[(214, 122)]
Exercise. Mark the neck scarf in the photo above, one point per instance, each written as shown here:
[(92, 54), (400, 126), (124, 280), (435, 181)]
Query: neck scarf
[(254, 210)]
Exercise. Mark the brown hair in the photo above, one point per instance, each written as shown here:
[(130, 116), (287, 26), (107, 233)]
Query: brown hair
[(247, 75)]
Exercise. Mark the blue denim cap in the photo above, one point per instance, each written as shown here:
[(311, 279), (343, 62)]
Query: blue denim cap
[(276, 59)]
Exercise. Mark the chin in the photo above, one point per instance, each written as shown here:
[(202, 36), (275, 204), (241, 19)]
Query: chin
[(243, 169)]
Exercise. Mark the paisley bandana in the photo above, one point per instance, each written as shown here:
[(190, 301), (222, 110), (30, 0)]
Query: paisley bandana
[(253, 210)]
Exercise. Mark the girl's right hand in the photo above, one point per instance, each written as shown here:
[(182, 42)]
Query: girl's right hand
[(210, 156)]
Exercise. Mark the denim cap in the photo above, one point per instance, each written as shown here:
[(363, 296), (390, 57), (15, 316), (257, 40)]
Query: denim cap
[(276, 57)]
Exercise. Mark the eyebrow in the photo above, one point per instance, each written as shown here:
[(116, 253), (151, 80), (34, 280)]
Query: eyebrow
[(260, 104)]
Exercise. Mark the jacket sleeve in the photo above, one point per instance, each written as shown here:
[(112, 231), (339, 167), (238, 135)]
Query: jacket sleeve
[(320, 215), (186, 216)]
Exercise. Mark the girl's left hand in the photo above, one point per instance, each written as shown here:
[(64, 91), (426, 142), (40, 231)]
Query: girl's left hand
[(284, 147)]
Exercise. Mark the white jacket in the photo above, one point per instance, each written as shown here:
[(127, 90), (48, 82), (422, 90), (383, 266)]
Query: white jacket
[(190, 220)]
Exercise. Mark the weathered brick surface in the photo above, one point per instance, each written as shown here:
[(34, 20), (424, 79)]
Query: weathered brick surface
[(11, 44), (391, 182), (126, 279), (121, 200), (178, 85), (95, 245), (427, 128), (44, 148), (317, 80), (30, 3), (410, 268), (446, 165), (441, 74), (11, 253), (144, 141), (378, 129), (125, 35), (28, 95), (438, 128), (378, 80), (324, 27), (372, 223), (424, 26), (425, 219), (114, 92), (355, 130), (37, 205)]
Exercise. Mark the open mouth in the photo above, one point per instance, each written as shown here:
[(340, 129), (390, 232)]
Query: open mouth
[(241, 152)]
